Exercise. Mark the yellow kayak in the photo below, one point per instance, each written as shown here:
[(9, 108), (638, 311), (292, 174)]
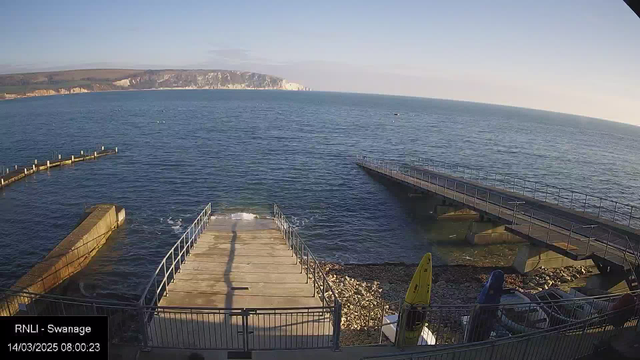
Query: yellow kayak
[(419, 293)]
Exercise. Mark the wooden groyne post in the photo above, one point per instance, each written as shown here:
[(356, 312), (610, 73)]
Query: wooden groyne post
[(20, 172)]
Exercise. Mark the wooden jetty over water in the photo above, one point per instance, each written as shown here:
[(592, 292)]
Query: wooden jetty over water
[(10, 176)]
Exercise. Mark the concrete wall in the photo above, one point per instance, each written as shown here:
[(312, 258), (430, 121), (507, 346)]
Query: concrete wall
[(70, 256), (530, 257)]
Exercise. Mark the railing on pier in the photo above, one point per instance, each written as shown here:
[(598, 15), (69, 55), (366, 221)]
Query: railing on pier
[(311, 266), (450, 324), (562, 342), (616, 211), (617, 247), (172, 262), (245, 329)]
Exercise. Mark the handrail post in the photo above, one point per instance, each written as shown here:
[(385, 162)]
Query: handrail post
[(571, 203), (569, 238), (599, 207), (615, 210), (179, 257), (475, 199), (166, 283), (143, 328), (487, 202), (464, 197), (337, 322), (546, 192), (173, 263)]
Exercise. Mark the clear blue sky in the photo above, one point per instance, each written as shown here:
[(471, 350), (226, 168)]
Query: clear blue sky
[(574, 56)]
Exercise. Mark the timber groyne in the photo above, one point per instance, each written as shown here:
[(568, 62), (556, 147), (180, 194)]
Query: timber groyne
[(9, 176)]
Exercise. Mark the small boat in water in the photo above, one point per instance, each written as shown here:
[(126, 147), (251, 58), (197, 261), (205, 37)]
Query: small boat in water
[(563, 308), (523, 315)]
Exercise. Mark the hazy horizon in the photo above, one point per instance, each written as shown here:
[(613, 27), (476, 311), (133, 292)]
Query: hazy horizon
[(573, 57)]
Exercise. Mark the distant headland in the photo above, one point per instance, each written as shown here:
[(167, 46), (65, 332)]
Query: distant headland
[(14, 86)]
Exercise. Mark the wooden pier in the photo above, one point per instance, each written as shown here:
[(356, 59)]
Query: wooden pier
[(591, 239), (20, 172)]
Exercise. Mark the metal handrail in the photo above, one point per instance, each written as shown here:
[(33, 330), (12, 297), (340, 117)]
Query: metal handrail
[(303, 254), (183, 247), (470, 194), (444, 321), (575, 200), (320, 283), (583, 326)]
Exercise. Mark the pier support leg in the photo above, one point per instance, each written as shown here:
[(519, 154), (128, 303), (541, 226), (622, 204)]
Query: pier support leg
[(530, 257)]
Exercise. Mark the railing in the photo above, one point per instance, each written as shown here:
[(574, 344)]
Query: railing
[(172, 262), (241, 328), (308, 262), (458, 324), (619, 212), (563, 342), (125, 319), (613, 246), (190, 327), (311, 266)]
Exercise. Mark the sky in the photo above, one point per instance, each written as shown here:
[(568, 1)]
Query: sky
[(571, 56)]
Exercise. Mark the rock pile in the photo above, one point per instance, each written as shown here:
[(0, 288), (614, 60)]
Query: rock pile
[(543, 278)]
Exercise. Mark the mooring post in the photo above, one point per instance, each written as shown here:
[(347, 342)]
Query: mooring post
[(25, 171), (16, 166), (59, 157), (103, 148), (2, 182), (35, 161), (95, 154), (48, 164), (116, 149), (81, 152), (73, 158)]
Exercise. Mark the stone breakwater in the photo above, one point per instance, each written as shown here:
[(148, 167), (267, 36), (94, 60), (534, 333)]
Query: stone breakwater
[(368, 292)]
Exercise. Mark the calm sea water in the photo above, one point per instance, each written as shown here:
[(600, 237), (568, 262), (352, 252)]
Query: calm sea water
[(243, 150)]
